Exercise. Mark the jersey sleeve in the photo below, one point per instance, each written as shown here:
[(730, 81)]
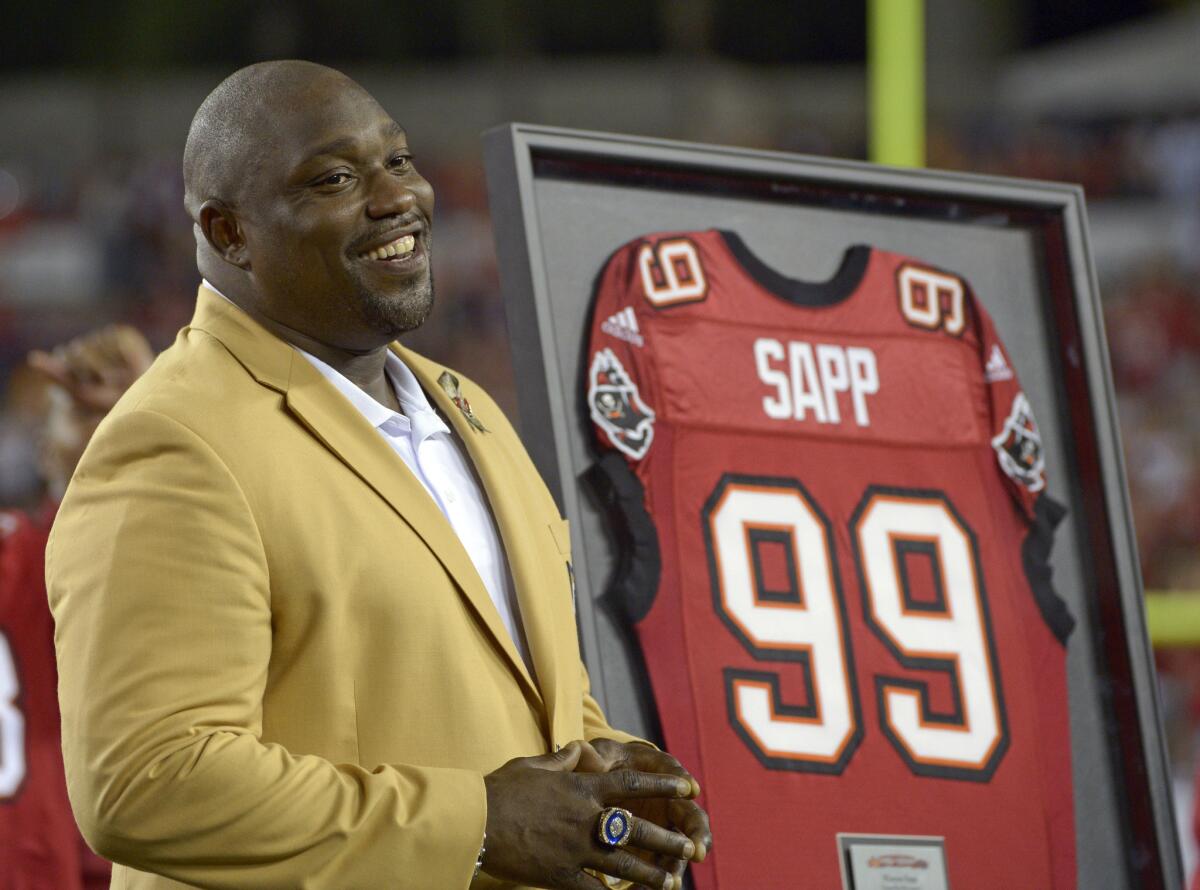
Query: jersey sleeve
[(1015, 438), (619, 400), (620, 382), (1017, 448)]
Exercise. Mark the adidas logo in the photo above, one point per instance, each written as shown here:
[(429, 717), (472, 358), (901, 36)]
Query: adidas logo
[(997, 368), (623, 325)]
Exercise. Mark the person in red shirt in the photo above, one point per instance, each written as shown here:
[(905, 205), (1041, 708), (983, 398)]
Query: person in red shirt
[(42, 847)]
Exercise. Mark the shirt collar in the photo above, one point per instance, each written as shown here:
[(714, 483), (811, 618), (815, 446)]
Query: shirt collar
[(375, 413), (425, 421), (419, 416)]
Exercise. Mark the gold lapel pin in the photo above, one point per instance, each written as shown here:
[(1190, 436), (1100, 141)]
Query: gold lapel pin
[(449, 384)]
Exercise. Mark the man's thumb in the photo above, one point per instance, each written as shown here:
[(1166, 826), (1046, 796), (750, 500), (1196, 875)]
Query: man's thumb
[(564, 760)]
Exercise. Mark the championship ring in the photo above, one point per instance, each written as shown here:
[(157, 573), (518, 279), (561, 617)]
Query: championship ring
[(614, 826)]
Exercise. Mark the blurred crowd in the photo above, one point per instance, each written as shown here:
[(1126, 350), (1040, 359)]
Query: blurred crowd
[(1153, 323), (1150, 157)]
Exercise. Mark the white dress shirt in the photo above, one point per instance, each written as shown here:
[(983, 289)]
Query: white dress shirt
[(434, 455)]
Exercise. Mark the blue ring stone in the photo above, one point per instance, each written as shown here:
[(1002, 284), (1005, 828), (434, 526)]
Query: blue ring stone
[(615, 827)]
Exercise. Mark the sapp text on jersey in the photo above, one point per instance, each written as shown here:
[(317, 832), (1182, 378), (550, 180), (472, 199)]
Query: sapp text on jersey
[(811, 380)]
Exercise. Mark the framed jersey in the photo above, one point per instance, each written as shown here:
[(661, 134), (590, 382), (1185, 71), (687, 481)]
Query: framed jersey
[(852, 531)]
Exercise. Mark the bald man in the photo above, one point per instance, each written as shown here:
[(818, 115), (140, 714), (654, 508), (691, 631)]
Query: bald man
[(313, 603)]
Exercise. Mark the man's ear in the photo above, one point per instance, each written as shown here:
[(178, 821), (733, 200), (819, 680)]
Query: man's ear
[(223, 232)]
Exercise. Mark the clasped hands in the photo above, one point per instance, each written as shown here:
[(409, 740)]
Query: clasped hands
[(543, 812)]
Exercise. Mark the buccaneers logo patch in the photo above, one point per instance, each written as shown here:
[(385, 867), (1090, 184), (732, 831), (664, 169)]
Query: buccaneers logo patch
[(1019, 446), (617, 408)]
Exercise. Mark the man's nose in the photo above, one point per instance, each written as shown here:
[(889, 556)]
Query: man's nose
[(389, 196)]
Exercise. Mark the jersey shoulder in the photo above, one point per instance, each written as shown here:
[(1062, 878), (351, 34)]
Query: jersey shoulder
[(928, 298), (662, 269)]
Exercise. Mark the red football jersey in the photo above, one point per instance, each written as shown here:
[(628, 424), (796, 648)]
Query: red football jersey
[(42, 848), (847, 620)]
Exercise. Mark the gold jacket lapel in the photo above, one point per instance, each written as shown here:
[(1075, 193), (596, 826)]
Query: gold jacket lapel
[(543, 613), (328, 416)]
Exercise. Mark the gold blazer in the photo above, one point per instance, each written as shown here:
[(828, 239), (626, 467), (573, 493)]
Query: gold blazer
[(278, 666)]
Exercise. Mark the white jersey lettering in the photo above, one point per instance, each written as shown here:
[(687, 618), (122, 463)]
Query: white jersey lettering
[(779, 405), (820, 381)]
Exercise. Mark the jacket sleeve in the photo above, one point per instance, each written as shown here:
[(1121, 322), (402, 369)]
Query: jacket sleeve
[(159, 587)]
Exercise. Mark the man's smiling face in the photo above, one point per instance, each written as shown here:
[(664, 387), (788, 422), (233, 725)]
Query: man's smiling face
[(336, 220)]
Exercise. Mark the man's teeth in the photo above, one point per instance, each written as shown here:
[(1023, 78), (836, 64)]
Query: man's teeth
[(399, 247)]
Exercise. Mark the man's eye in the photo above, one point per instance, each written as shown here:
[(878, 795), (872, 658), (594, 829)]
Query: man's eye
[(401, 162), (335, 179)]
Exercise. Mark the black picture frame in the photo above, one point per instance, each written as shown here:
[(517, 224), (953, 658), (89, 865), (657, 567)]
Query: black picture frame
[(563, 200)]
